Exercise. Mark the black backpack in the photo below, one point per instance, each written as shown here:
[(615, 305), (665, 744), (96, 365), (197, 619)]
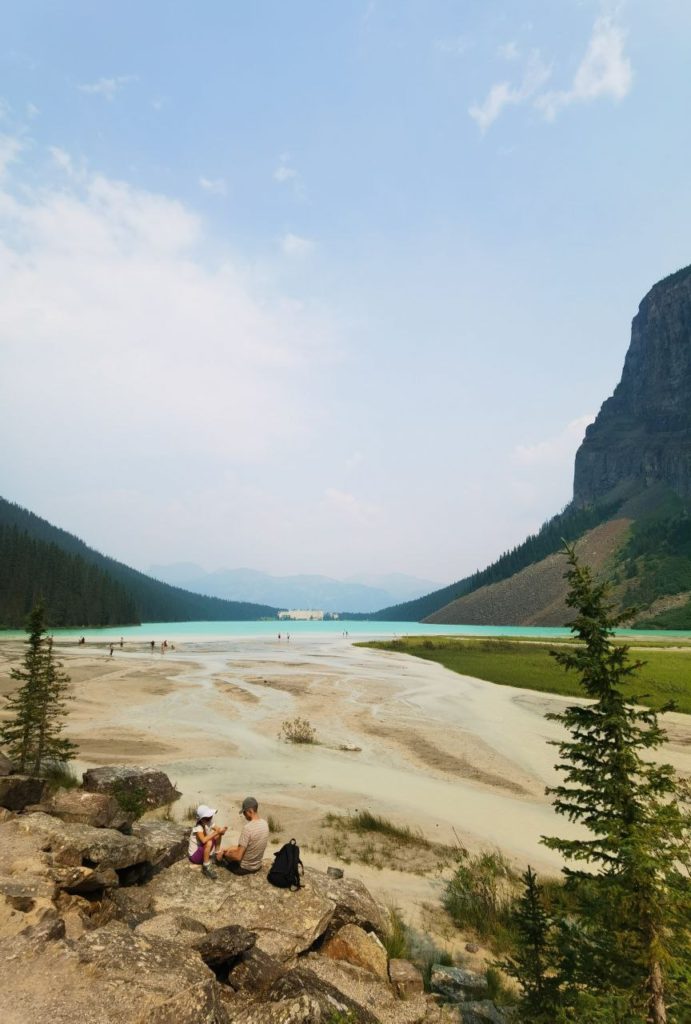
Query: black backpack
[(285, 870)]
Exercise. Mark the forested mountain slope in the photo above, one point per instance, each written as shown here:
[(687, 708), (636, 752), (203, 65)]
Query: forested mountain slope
[(124, 591)]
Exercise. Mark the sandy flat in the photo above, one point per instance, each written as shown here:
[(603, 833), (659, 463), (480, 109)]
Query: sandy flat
[(459, 757)]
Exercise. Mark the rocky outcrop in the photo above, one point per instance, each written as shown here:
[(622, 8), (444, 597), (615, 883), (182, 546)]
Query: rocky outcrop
[(642, 435), (96, 809), (77, 944), (144, 788)]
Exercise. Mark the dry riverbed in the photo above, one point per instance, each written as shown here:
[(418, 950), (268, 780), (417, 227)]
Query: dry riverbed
[(462, 760)]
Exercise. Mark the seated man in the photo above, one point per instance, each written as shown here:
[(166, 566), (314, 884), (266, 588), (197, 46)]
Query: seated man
[(246, 857)]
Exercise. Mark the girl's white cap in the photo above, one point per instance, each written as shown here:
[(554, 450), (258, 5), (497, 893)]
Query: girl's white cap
[(205, 812)]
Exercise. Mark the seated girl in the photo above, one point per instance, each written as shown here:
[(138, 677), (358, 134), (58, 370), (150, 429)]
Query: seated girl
[(204, 840)]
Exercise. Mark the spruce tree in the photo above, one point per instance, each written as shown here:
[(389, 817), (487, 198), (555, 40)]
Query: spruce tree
[(534, 962), (634, 899), (32, 734)]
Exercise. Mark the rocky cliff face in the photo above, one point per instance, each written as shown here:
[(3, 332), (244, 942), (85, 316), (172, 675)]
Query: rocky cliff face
[(642, 435)]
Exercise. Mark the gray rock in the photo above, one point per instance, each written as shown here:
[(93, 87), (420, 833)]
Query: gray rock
[(472, 947), (50, 928), (302, 981), (353, 903), (256, 973), (148, 786), (165, 841), (107, 976), (287, 923), (302, 1010), (642, 434), (6, 766), (76, 806), (482, 1012), (83, 845), (223, 945), (202, 1004), (406, 979), (457, 984), (18, 791), (79, 881)]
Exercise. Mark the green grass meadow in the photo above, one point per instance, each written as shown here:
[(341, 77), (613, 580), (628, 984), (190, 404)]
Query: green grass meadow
[(665, 676)]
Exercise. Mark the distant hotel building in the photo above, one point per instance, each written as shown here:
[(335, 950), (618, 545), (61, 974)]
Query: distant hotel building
[(297, 614)]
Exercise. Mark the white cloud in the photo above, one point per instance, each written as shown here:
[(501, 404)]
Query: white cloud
[(457, 45), (107, 87), (216, 186), (509, 51), (503, 94), (32, 110), (296, 245), (284, 172), (128, 340), (554, 451), (605, 71)]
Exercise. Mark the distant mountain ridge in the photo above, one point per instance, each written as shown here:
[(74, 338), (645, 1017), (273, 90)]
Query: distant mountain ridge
[(294, 591), (130, 596), (631, 510)]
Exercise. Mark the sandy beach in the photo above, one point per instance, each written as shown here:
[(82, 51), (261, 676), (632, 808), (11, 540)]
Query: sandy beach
[(462, 759)]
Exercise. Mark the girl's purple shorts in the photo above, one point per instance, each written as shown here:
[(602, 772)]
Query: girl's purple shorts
[(198, 856)]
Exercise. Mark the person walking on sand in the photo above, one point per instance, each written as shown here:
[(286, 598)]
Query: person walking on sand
[(204, 840), (111, 650), (246, 857)]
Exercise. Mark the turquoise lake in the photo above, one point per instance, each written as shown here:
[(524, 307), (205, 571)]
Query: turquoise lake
[(215, 631)]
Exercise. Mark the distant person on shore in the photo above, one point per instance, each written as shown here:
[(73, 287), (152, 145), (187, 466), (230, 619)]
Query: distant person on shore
[(246, 857), (153, 644), (82, 641), (122, 641), (112, 648), (205, 839)]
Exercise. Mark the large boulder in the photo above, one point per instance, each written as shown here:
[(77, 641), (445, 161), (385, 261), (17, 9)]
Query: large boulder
[(82, 845), (256, 973), (287, 923), (136, 788), (358, 947), (456, 984), (223, 945), (481, 1012), (18, 791), (76, 806), (353, 903), (108, 976), (405, 978), (173, 927), (165, 841)]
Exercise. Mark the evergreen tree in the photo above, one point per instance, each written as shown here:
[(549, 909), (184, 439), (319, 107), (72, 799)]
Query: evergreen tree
[(33, 732), (635, 901), (534, 961)]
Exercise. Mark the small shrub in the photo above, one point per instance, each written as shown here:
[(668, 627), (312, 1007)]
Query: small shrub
[(273, 823), (396, 940), (190, 814), (60, 775), (132, 799), (297, 730), (497, 989), (480, 894), (342, 1017)]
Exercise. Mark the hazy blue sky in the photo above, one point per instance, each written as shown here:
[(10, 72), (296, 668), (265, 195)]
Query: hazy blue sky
[(326, 287)]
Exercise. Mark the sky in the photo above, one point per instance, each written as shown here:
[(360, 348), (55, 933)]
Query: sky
[(326, 288)]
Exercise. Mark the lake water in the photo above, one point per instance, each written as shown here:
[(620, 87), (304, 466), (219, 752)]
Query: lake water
[(215, 631)]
